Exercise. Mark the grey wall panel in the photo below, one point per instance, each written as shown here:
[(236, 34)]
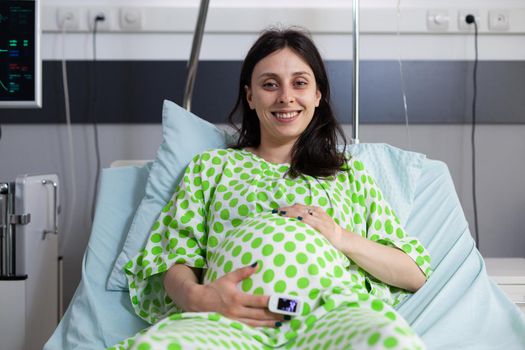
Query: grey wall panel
[(438, 92)]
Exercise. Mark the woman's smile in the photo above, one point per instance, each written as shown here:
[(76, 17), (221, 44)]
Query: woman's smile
[(286, 117)]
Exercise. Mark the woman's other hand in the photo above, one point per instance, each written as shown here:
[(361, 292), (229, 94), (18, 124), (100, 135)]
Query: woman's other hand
[(223, 296), (316, 218)]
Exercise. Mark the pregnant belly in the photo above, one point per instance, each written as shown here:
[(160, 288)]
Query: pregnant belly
[(293, 258)]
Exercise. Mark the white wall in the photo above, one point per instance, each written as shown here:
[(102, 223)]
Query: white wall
[(42, 148), (167, 26)]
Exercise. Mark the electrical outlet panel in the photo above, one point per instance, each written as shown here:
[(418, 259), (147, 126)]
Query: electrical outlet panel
[(499, 20), (441, 18), (438, 20), (130, 18), (102, 25), (68, 18), (463, 25)]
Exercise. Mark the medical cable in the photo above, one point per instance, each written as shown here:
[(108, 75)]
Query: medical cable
[(401, 75), (69, 129), (470, 19), (95, 126)]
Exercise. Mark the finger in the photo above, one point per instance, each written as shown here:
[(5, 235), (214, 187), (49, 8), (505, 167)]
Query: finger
[(318, 215), (294, 211), (313, 216), (316, 211), (297, 206), (254, 307), (262, 314), (261, 323), (311, 221), (283, 211), (311, 211), (299, 212), (257, 301), (242, 273)]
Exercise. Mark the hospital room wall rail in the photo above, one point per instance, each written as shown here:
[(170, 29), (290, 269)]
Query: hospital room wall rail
[(438, 92)]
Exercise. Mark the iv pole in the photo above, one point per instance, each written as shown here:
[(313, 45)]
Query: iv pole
[(355, 75), (194, 57)]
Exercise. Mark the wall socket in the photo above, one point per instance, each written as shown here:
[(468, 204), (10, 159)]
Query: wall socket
[(463, 25), (68, 18), (499, 20), (104, 25), (130, 18), (438, 20)]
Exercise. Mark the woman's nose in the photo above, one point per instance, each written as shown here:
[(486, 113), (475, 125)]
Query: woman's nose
[(286, 96)]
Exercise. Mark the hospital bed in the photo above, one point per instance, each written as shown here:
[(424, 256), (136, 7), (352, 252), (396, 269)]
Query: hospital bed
[(458, 307)]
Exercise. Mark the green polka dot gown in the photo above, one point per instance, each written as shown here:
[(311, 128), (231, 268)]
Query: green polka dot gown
[(220, 219)]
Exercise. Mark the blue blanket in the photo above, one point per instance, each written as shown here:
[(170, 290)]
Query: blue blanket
[(458, 308)]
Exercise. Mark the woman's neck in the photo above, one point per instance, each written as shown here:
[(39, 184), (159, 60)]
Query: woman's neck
[(278, 154)]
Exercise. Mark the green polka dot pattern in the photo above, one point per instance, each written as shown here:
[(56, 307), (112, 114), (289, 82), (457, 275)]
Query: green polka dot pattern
[(348, 326), (220, 218)]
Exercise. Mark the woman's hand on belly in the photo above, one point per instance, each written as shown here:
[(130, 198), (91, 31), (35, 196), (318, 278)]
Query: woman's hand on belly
[(316, 218), (224, 297)]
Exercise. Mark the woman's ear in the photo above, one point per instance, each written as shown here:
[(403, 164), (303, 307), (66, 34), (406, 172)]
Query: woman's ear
[(317, 98), (248, 93)]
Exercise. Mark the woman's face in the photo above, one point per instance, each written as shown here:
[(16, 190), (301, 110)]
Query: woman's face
[(284, 94)]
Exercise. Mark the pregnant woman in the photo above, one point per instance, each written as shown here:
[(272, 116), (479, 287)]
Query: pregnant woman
[(282, 212)]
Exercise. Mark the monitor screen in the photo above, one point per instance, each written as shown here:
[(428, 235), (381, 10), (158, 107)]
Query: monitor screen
[(20, 63), (289, 305)]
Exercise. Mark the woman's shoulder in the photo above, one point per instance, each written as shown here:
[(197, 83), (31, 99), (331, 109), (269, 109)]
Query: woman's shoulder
[(356, 170), (354, 162), (354, 165), (217, 156)]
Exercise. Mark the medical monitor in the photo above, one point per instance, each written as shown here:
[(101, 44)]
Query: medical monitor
[(20, 62)]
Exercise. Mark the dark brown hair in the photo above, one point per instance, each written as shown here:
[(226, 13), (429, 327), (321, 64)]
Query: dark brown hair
[(315, 152)]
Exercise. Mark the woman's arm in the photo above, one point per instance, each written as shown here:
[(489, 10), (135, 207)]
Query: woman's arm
[(178, 282), (181, 283), (387, 264)]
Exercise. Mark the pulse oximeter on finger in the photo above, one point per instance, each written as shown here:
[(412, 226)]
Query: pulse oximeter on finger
[(285, 304)]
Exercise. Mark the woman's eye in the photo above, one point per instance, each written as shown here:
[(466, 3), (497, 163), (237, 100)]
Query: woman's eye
[(269, 85), (301, 83)]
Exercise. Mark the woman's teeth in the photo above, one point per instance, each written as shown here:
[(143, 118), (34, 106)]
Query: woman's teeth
[(288, 115)]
